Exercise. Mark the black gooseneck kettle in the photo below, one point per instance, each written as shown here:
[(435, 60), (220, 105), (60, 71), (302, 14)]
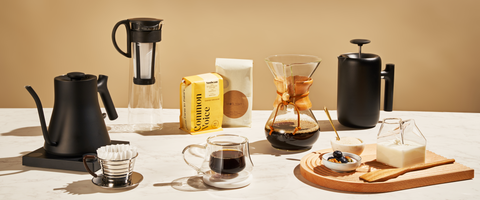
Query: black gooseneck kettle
[(77, 126), (359, 85)]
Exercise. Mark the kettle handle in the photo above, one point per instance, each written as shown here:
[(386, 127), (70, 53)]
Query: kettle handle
[(126, 22), (388, 74), (106, 98)]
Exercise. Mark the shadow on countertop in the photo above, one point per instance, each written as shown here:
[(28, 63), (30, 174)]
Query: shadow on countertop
[(25, 131), (169, 128), (326, 126), (15, 164), (87, 187), (188, 184), (264, 147)]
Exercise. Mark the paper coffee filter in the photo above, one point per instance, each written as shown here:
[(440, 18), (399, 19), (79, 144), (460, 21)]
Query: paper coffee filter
[(116, 152)]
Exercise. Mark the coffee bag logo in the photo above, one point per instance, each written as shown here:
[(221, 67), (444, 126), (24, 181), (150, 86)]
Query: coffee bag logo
[(235, 104)]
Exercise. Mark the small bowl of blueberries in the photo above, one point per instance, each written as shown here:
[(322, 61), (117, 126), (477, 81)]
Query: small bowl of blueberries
[(341, 161)]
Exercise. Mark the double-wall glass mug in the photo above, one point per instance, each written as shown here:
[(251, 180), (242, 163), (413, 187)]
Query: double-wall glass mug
[(226, 161)]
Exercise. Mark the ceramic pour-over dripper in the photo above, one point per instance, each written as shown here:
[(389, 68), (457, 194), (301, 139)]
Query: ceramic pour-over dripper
[(292, 125)]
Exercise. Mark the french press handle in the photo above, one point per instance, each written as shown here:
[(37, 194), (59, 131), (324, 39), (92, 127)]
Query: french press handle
[(388, 74), (126, 22)]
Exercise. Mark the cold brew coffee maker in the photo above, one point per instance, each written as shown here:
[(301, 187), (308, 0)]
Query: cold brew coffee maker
[(145, 97)]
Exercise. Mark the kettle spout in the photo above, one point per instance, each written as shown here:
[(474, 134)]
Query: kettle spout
[(40, 115)]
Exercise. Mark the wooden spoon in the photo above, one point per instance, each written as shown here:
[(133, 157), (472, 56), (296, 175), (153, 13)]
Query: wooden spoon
[(385, 174)]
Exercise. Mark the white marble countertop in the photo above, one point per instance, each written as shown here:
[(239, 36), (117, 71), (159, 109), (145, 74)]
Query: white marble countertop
[(276, 173)]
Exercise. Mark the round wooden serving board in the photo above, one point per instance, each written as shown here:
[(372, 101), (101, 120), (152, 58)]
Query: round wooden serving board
[(312, 169)]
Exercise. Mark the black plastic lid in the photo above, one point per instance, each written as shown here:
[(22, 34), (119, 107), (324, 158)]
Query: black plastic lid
[(145, 30), (145, 24), (76, 76)]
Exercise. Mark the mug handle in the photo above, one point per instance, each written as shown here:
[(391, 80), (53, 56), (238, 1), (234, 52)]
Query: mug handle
[(86, 166), (186, 161)]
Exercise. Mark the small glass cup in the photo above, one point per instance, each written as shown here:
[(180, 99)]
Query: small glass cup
[(226, 161)]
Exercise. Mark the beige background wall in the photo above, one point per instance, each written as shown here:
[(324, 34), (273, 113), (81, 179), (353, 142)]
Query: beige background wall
[(434, 45)]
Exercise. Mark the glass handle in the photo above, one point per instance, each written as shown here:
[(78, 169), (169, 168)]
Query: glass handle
[(86, 166), (248, 153), (186, 161)]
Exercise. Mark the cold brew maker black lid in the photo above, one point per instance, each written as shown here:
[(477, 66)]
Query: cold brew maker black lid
[(146, 30), (76, 76), (145, 24)]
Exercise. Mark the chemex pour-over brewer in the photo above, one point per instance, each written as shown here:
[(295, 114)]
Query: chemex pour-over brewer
[(145, 97), (292, 125), (359, 83)]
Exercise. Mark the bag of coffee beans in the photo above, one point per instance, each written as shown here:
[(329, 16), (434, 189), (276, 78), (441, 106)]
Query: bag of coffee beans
[(238, 91), (201, 103)]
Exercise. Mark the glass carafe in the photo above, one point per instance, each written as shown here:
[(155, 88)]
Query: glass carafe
[(400, 143), (292, 125), (145, 97)]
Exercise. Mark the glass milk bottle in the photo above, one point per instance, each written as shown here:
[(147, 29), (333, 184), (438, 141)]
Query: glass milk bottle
[(400, 143)]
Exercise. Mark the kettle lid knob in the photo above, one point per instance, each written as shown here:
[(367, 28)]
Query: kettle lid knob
[(76, 76)]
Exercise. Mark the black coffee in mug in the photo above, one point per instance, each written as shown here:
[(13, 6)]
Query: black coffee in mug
[(227, 161)]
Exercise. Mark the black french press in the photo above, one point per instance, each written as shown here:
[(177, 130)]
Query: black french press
[(359, 87)]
